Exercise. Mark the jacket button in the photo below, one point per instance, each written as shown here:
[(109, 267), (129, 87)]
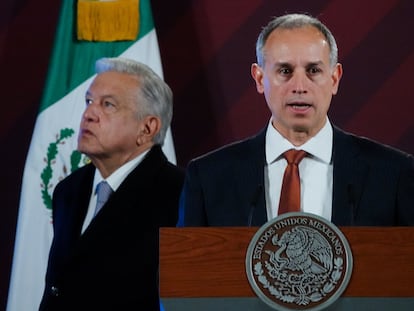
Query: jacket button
[(54, 291)]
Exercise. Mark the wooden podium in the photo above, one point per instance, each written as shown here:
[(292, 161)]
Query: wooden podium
[(210, 262)]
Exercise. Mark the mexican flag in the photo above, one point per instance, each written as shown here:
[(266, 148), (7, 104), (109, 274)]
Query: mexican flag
[(52, 154)]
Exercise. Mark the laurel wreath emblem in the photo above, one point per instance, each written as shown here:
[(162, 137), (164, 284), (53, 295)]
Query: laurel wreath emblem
[(304, 298), (50, 159)]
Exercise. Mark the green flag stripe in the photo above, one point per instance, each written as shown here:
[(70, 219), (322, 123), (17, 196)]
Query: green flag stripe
[(72, 61)]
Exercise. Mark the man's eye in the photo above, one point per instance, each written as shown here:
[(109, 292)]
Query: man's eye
[(108, 104), (314, 70), (88, 101), (285, 71)]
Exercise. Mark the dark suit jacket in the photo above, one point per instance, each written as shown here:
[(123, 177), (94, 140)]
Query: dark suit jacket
[(113, 265), (373, 185)]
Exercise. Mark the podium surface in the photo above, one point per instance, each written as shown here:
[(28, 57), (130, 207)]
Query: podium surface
[(209, 262)]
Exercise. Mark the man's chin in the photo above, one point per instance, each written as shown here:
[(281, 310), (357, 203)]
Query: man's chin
[(85, 146), (84, 150), (301, 129)]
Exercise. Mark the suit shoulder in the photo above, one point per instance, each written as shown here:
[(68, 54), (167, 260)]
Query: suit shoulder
[(175, 171), (377, 150), (235, 151), (76, 176)]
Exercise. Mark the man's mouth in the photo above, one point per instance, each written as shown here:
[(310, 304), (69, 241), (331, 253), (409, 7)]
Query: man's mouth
[(85, 132), (299, 106)]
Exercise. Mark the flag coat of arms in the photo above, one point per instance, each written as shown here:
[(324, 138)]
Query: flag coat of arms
[(52, 154)]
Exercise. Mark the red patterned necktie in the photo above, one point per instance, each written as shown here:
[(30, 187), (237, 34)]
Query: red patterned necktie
[(290, 192)]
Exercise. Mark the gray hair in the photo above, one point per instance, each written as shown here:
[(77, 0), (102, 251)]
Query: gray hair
[(154, 95), (292, 21)]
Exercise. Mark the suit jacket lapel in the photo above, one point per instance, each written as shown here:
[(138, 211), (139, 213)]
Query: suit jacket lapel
[(251, 187), (136, 187), (81, 195), (140, 180), (349, 174)]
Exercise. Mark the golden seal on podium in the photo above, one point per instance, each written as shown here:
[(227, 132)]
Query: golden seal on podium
[(299, 261)]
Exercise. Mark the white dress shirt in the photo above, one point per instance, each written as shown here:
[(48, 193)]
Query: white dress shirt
[(315, 170), (114, 180)]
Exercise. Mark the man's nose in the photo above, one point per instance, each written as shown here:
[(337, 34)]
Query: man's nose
[(299, 82), (91, 112)]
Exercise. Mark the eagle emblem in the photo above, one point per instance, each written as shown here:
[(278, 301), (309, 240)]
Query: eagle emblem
[(298, 260)]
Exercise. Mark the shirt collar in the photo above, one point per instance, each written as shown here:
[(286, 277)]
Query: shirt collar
[(118, 176), (319, 146)]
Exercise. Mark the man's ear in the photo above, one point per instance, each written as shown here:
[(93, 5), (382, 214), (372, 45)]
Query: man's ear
[(149, 127), (336, 78), (257, 73)]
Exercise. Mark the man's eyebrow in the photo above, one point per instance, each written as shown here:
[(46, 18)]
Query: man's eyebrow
[(283, 64), (104, 96), (278, 65), (316, 63)]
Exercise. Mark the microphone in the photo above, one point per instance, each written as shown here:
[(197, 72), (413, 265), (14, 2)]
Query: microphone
[(253, 203)]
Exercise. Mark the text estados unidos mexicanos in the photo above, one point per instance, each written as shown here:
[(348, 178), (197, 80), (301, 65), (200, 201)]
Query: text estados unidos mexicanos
[(329, 234)]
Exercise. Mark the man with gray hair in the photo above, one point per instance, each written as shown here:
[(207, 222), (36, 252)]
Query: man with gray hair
[(106, 215), (347, 179)]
